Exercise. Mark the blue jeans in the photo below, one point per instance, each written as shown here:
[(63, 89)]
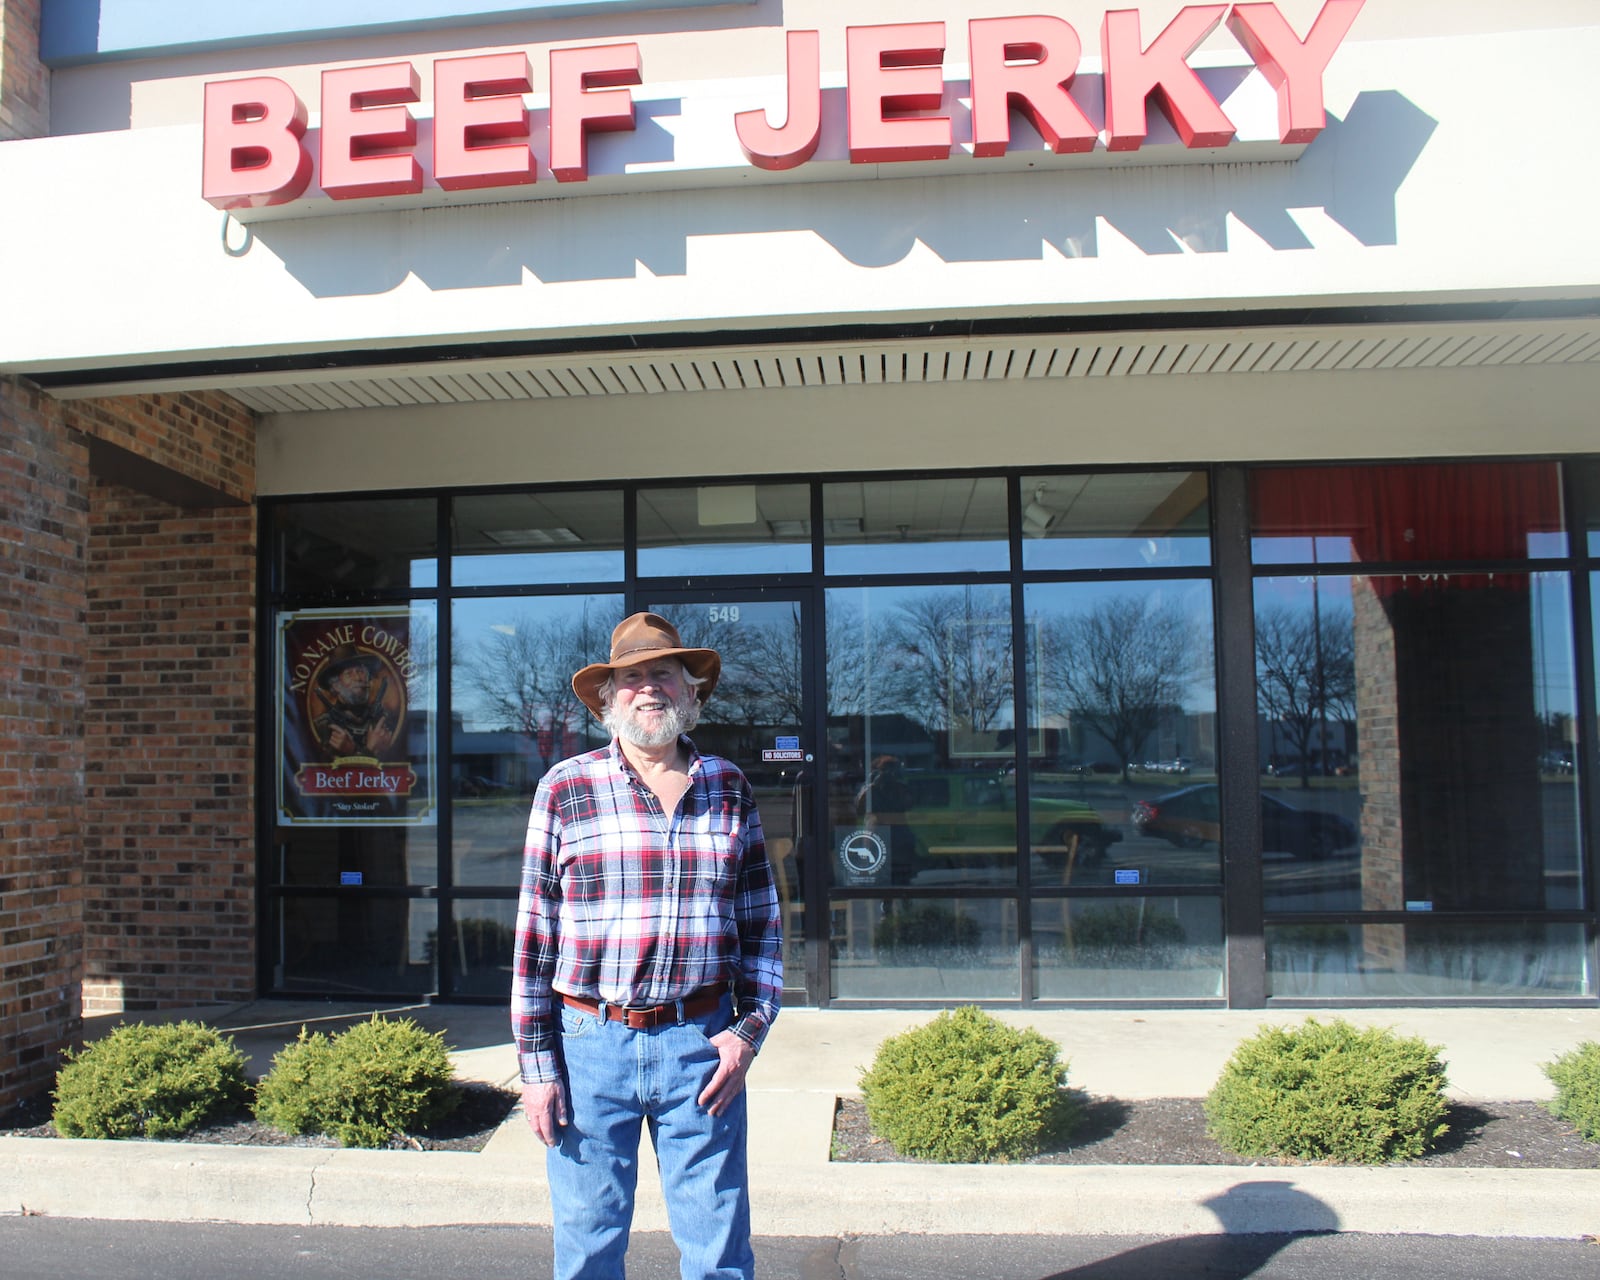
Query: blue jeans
[(618, 1079)]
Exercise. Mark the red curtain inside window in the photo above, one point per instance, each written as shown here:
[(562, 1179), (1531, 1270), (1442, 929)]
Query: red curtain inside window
[(1414, 511)]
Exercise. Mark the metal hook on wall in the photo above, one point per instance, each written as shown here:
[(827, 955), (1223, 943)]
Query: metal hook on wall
[(244, 246)]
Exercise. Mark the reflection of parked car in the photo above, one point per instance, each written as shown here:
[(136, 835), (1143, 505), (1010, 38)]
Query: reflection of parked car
[(1189, 818), (954, 815), (1178, 764), (1558, 760), (1042, 764)]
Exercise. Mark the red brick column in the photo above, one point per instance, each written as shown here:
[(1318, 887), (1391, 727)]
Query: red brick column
[(24, 81), (1378, 725), (44, 517), (169, 842), (127, 714), (169, 845)]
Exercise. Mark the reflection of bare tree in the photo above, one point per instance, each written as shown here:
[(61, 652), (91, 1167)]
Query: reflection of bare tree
[(1117, 666), (848, 669), (952, 662), (761, 668), (1305, 673), (520, 678), (423, 642)]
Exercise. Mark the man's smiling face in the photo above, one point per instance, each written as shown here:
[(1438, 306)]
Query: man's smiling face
[(652, 703)]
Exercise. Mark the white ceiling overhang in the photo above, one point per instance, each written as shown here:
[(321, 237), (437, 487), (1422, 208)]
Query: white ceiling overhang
[(692, 369)]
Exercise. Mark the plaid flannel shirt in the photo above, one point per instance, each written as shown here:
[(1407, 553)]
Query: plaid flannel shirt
[(623, 905)]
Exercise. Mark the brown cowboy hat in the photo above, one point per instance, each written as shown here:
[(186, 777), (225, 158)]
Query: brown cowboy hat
[(347, 655), (642, 638)]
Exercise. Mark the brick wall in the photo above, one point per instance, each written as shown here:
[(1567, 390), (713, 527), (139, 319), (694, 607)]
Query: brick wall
[(24, 82), (202, 435), (44, 515), (169, 845), (127, 679), (1383, 946)]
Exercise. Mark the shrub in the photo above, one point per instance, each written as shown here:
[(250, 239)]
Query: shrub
[(1329, 1092), (361, 1086), (1576, 1076), (966, 1087), (149, 1081), (1123, 936), (922, 927), (1123, 925)]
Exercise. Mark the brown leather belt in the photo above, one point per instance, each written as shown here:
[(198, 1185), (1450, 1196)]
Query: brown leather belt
[(643, 1018)]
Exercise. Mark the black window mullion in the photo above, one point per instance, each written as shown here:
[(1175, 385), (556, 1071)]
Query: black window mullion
[(1582, 492), (1024, 768), (443, 747), (1238, 785)]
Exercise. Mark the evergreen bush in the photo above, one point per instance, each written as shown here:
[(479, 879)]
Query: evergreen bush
[(149, 1080), (924, 928), (1123, 926), (1576, 1076), (966, 1087), (1123, 936), (361, 1086), (1329, 1092)]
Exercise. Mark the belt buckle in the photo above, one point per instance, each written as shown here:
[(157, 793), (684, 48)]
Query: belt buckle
[(651, 1016)]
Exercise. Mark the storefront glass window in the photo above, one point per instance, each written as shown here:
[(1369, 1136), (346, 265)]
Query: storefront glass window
[(920, 721), (724, 529), (1396, 514), (1429, 959), (1134, 948), (332, 856), (946, 525), (347, 945), (1415, 743), (481, 945), (537, 539), (513, 715), (926, 948), (1589, 483), (1116, 520), (355, 544), (1121, 755)]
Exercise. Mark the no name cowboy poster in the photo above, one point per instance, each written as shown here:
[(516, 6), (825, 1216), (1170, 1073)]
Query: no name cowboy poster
[(355, 711)]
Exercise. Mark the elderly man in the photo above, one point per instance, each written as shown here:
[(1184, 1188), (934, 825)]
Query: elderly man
[(648, 965)]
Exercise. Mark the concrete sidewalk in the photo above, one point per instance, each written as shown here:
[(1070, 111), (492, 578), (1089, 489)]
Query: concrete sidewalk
[(812, 1058)]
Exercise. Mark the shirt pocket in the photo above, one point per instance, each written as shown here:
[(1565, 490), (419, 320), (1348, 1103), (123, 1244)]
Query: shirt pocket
[(717, 858)]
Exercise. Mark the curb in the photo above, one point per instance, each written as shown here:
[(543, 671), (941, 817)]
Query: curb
[(156, 1181)]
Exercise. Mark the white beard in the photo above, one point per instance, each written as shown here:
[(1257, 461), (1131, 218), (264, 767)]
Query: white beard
[(676, 719)]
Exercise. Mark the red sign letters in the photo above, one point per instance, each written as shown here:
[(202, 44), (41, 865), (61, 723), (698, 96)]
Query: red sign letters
[(256, 153)]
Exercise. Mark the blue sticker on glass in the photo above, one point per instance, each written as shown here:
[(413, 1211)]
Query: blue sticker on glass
[(1125, 875), (349, 877), (786, 744)]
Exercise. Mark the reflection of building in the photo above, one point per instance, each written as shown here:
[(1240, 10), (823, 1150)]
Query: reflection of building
[(942, 417), (1178, 733)]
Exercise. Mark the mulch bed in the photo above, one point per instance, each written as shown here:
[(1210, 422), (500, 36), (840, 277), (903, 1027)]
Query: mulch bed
[(1483, 1135), (482, 1110)]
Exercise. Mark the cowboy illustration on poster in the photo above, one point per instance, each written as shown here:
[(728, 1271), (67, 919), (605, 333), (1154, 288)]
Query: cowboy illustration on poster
[(351, 733)]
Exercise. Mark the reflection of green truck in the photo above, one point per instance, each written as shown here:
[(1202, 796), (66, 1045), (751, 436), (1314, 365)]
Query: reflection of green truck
[(961, 815)]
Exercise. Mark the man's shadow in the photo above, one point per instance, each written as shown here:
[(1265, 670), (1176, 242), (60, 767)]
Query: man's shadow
[(1257, 1219)]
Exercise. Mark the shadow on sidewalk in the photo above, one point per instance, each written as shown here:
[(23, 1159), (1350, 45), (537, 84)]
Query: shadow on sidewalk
[(1245, 1245)]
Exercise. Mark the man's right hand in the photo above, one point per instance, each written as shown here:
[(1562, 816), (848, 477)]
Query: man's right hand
[(545, 1105)]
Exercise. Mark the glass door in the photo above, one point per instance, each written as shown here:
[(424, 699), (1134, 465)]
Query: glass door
[(761, 718)]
